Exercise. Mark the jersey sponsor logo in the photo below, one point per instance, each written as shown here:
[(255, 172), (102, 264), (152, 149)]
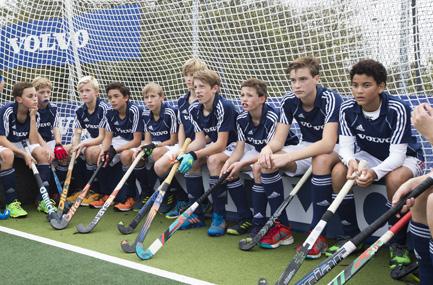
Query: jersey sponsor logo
[(211, 129), (161, 133), (374, 139), (255, 141), (309, 125), (360, 128), (46, 124), (123, 131), (19, 134), (50, 41), (89, 126)]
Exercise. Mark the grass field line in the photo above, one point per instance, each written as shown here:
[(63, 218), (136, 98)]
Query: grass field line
[(106, 257)]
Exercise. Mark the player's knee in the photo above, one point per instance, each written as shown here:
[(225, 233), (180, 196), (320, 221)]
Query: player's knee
[(394, 179), (323, 163), (41, 154), (214, 163), (157, 153), (7, 156), (126, 157), (339, 173), (161, 166)]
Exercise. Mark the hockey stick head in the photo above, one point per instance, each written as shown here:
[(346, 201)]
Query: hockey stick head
[(59, 224), (246, 244), (126, 230), (53, 216), (4, 215), (83, 229), (144, 254), (126, 247)]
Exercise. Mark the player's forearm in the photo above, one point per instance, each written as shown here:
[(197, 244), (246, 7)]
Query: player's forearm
[(181, 135), (171, 141), (397, 155), (346, 148), (210, 149), (312, 150), (238, 152), (57, 135)]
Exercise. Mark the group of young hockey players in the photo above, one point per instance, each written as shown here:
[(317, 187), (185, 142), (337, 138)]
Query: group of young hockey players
[(372, 126)]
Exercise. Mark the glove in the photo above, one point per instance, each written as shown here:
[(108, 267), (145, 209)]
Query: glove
[(148, 149), (108, 156), (60, 152), (186, 161)]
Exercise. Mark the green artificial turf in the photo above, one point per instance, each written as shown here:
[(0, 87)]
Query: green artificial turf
[(191, 253)]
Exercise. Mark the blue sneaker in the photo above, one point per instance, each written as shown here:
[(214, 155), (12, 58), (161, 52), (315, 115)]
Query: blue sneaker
[(177, 210), (194, 221), (218, 226)]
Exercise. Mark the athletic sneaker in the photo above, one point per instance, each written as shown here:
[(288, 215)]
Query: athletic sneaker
[(167, 203), (15, 209), (278, 235), (341, 240), (319, 247), (399, 255), (141, 202), (92, 197), (218, 226), (99, 203), (73, 197), (177, 210), (240, 228), (42, 207), (125, 206), (194, 221)]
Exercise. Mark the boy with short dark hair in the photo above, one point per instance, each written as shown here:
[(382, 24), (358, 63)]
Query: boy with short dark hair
[(124, 129), (19, 118), (255, 128), (315, 109), (214, 125), (379, 124)]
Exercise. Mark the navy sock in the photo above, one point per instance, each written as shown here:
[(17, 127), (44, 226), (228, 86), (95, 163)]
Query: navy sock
[(141, 175), (194, 186), (79, 174), (124, 191), (151, 178), (259, 203), (61, 171), (45, 173), (400, 236), (239, 197), (347, 213), (8, 179), (180, 194), (90, 169), (431, 250), (273, 186), (219, 196), (421, 239), (321, 195)]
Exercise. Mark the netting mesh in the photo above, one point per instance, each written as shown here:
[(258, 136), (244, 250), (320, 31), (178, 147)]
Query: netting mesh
[(141, 41)]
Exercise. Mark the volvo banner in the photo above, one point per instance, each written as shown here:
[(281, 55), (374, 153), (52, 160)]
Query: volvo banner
[(103, 35)]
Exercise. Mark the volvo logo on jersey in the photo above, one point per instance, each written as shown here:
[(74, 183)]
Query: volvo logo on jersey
[(51, 42)]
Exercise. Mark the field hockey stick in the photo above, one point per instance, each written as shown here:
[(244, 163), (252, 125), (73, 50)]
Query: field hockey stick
[(87, 229), (67, 182), (165, 236), (365, 257), (300, 256), (126, 230), (125, 245), (66, 218), (56, 180), (319, 271), (42, 189), (249, 243)]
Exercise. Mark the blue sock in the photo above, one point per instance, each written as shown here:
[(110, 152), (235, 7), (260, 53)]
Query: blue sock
[(194, 186), (421, 238), (61, 171), (141, 175), (321, 195), (239, 197), (273, 186), (400, 236), (8, 179), (347, 213), (219, 196), (259, 203)]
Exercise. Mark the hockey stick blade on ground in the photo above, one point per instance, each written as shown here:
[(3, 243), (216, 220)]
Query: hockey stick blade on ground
[(324, 267), (248, 243), (164, 237), (130, 248), (66, 218), (126, 230), (87, 229)]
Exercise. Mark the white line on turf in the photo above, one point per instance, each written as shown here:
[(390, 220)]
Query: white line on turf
[(106, 257)]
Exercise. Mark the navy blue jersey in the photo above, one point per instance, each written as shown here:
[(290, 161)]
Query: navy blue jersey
[(166, 125), (326, 108), (222, 118), (13, 130), (91, 122), (375, 136), (184, 117), (48, 119), (259, 136), (127, 126)]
